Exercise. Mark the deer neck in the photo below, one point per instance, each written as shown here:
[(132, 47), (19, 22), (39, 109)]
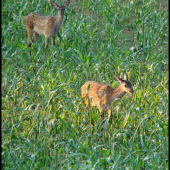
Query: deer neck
[(58, 20), (118, 93)]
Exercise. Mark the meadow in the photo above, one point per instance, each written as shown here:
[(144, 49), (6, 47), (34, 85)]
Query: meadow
[(44, 122)]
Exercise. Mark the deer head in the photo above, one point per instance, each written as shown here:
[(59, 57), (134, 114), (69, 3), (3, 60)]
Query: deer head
[(125, 85), (60, 8)]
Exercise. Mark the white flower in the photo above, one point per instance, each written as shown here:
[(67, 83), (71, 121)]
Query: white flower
[(132, 49)]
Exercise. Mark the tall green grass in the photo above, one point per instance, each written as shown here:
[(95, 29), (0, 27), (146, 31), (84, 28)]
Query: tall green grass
[(44, 122)]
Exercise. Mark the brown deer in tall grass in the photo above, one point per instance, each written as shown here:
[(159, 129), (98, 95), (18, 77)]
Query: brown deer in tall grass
[(103, 95), (46, 25)]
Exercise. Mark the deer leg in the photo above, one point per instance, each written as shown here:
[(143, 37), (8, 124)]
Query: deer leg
[(87, 102), (46, 42), (110, 114), (102, 114), (102, 117), (53, 42), (36, 35), (30, 34)]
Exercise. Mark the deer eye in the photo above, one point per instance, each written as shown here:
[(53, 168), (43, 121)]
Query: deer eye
[(127, 85)]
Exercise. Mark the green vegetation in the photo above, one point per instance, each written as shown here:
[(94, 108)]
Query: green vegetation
[(44, 121)]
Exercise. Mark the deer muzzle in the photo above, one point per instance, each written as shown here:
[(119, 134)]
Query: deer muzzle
[(131, 91)]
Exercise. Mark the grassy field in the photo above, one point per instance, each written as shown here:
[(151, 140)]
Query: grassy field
[(44, 121)]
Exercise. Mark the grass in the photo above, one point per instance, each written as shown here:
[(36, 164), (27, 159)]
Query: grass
[(44, 122)]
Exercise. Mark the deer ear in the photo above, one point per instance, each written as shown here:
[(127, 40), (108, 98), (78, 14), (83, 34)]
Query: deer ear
[(67, 3), (54, 4), (118, 79), (125, 76)]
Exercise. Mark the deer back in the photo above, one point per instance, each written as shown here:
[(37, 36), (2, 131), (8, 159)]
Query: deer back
[(101, 94), (42, 24)]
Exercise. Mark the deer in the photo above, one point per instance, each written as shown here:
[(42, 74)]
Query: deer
[(46, 25), (103, 95)]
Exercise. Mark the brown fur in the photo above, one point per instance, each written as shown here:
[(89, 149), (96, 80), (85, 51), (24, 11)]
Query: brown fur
[(103, 95), (46, 25)]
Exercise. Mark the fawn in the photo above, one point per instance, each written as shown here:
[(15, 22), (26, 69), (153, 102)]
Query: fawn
[(47, 25), (103, 95)]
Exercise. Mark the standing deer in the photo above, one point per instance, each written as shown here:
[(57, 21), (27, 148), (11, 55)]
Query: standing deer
[(47, 25), (103, 95)]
